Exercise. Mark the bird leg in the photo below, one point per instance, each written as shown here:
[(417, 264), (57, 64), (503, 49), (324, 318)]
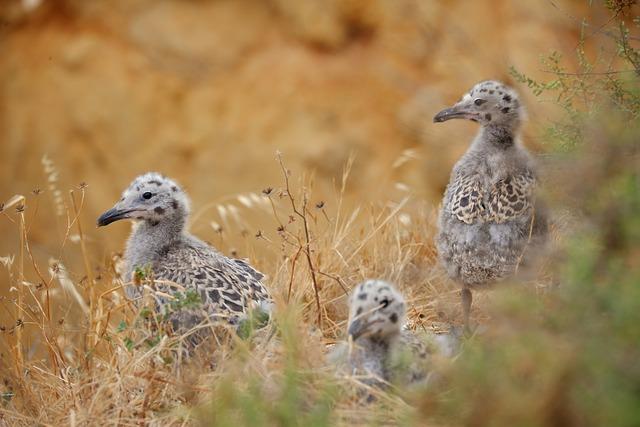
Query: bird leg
[(466, 306)]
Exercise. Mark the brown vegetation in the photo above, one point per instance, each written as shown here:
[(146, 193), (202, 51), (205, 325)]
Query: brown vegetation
[(94, 93)]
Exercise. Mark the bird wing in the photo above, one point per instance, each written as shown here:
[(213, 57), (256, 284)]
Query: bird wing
[(225, 285), (511, 197), (410, 362), (466, 198)]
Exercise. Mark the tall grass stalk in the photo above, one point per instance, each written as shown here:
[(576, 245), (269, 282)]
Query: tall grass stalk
[(95, 312)]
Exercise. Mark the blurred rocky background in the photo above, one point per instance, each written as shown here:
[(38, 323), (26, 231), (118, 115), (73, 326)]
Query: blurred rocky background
[(207, 91)]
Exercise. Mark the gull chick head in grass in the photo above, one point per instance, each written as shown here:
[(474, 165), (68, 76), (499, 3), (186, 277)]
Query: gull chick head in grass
[(151, 197), (377, 311), (381, 351)]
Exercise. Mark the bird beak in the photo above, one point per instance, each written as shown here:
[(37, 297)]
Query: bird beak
[(360, 327), (112, 215), (458, 111), (356, 329)]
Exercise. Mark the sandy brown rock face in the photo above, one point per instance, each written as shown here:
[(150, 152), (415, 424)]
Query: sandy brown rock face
[(104, 88)]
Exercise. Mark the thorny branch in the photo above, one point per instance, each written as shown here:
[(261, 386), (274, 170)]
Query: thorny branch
[(307, 243)]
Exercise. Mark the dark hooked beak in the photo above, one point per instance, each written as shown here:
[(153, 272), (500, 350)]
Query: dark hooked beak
[(356, 328), (113, 215), (458, 111)]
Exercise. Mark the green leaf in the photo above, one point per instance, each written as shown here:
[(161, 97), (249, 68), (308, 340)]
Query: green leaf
[(257, 319), (7, 395), (122, 326)]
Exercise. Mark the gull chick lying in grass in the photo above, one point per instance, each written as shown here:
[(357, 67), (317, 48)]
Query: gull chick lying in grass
[(380, 352), (193, 282)]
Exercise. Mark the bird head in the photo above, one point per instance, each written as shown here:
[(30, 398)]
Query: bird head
[(150, 197), (490, 103), (377, 310)]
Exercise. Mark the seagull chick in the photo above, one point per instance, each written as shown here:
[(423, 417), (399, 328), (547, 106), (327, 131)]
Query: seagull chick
[(488, 214), (228, 288), (381, 351)]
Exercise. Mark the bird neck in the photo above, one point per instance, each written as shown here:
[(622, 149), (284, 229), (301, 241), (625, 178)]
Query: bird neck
[(379, 345), (501, 137), (149, 240)]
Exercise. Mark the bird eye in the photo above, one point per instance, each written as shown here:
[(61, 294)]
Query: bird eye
[(384, 303), (147, 195), (479, 101)]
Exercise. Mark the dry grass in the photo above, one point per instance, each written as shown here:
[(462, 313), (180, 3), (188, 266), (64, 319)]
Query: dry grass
[(73, 354)]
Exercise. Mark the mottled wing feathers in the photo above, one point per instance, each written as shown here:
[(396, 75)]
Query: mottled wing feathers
[(506, 199), (412, 359), (466, 199), (511, 197), (252, 277), (227, 286)]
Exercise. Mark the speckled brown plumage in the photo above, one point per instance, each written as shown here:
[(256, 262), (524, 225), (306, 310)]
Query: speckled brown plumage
[(489, 212), (228, 288)]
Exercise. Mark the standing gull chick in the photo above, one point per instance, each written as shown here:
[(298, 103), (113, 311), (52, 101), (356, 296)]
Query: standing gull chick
[(488, 213), (228, 288)]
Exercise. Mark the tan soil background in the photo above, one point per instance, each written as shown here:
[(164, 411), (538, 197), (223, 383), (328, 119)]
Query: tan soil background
[(208, 91)]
